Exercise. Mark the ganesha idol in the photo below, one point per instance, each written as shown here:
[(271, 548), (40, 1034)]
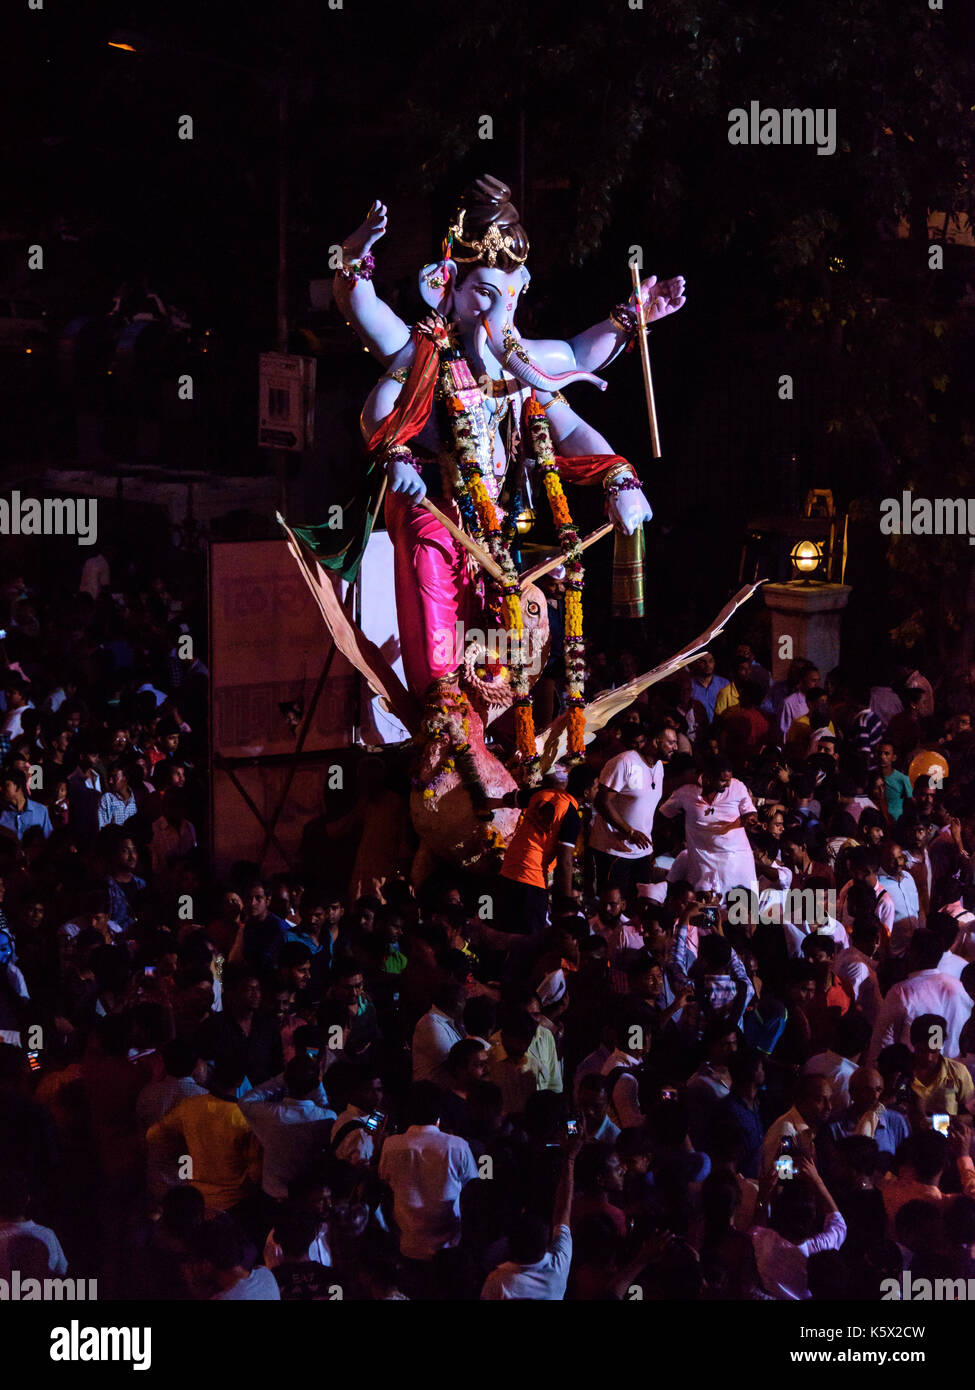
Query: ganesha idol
[(466, 430)]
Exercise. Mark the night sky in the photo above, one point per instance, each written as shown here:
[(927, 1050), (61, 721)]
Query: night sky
[(610, 125)]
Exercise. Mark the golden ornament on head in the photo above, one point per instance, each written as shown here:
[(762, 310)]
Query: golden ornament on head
[(492, 244)]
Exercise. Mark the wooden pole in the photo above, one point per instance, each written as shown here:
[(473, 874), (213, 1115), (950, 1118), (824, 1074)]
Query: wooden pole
[(478, 551), (645, 362), (379, 502), (531, 575)]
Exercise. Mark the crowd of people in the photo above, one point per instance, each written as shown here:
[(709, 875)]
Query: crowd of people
[(704, 1036)]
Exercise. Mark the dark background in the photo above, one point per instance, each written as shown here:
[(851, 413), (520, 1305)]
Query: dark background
[(611, 126)]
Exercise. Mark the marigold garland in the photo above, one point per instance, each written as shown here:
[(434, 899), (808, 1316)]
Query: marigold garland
[(465, 408), (575, 661)]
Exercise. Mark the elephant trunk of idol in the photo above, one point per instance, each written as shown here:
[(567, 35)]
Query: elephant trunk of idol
[(515, 359)]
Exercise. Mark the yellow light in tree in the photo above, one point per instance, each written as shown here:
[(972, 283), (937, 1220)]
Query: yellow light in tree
[(806, 556)]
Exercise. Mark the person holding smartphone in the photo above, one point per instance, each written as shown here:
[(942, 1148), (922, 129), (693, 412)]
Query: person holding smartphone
[(803, 1219), (357, 1133), (800, 1124), (539, 1253)]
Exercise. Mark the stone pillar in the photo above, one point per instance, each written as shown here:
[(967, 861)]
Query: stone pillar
[(809, 615)]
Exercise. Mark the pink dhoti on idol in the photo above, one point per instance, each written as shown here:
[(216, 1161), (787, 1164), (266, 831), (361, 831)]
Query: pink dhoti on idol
[(434, 593)]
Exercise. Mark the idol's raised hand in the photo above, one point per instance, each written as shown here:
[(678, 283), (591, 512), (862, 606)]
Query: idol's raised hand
[(366, 236), (660, 299)]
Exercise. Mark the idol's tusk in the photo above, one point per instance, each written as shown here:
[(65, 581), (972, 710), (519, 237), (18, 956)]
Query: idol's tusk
[(478, 551), (530, 576)]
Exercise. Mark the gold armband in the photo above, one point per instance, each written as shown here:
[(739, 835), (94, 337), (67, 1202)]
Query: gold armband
[(621, 470)]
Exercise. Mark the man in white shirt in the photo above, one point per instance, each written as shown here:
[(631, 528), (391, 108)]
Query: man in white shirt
[(864, 865), (540, 1257), (293, 1131), (794, 706), (956, 939), (93, 917), (925, 991), (630, 788), (633, 1033), (96, 575), (24, 1245), (220, 1266), (898, 883), (156, 1099), (593, 1064), (611, 916), (856, 968), (840, 1063), (18, 702), (885, 703), (436, 1032), (796, 933), (355, 1138), (717, 811), (426, 1171)]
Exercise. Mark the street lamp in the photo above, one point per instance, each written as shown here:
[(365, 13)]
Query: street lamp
[(806, 557), (806, 610)]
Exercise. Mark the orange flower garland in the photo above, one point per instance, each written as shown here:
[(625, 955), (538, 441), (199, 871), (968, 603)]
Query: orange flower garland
[(575, 663), (465, 406), (472, 452)]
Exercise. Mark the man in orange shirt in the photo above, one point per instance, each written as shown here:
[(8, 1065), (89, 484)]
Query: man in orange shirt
[(831, 1000), (546, 835), (918, 1165)]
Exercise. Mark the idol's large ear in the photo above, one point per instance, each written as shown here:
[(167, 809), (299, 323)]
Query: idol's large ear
[(436, 283)]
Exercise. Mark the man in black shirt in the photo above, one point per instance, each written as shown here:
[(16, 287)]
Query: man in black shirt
[(300, 1278), (264, 933), (465, 1068), (241, 1035)]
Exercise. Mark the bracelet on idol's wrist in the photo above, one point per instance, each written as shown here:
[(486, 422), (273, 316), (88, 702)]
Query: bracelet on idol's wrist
[(619, 471), (627, 484), (626, 319), (360, 268), (404, 455)]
